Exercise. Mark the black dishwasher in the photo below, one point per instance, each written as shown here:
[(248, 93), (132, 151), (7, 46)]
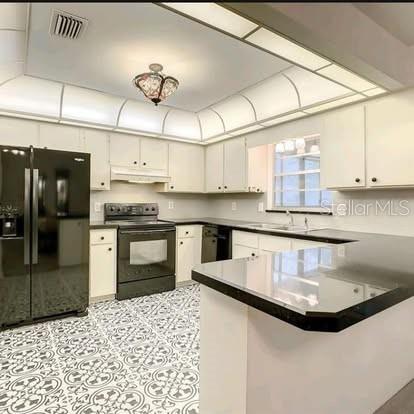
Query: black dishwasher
[(216, 243)]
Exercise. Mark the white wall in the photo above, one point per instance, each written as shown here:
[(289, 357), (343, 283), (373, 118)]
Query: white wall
[(185, 205)]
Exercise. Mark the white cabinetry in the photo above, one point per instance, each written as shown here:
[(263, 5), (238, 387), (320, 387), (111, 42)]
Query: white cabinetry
[(235, 165), (97, 144), (251, 244), (102, 271), (59, 137), (124, 150), (257, 158), (186, 168), (390, 142), (18, 132), (153, 154), (343, 149), (226, 166), (188, 251)]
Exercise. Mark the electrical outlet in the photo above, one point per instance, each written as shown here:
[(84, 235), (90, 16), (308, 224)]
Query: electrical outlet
[(170, 205), (260, 207), (97, 207), (233, 206)]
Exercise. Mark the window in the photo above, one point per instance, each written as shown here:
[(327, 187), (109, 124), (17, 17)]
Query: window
[(296, 180)]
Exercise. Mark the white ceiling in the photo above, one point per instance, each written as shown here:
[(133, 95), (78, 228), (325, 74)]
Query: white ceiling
[(396, 18), (120, 42)]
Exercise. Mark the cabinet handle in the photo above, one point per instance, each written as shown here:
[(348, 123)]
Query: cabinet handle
[(135, 162), (213, 241), (219, 188), (102, 238), (374, 179), (253, 254), (357, 180), (171, 187), (186, 232), (102, 184), (181, 242), (144, 163), (225, 187), (110, 249), (356, 290)]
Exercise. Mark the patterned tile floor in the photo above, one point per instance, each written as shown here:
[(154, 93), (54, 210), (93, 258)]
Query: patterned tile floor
[(138, 356)]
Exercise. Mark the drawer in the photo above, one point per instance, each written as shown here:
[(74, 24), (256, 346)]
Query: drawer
[(274, 243), (103, 236), (185, 231), (243, 238)]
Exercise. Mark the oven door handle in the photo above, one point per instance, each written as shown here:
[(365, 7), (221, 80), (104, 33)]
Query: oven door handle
[(145, 231)]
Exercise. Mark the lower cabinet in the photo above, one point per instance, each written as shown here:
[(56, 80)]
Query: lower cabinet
[(102, 264), (188, 251), (247, 244)]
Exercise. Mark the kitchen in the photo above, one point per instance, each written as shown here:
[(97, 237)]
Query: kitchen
[(213, 245)]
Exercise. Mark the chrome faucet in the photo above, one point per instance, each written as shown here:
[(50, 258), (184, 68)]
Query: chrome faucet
[(289, 214)]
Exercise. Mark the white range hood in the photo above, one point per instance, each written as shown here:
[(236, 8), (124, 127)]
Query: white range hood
[(132, 175)]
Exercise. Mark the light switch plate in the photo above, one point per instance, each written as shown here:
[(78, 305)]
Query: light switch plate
[(97, 207), (233, 206), (260, 207), (170, 205)]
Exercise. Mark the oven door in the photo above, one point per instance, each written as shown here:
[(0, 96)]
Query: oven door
[(145, 254)]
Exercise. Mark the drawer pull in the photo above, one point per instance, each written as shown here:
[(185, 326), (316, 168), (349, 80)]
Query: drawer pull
[(102, 238), (110, 249), (181, 242), (102, 184), (253, 254)]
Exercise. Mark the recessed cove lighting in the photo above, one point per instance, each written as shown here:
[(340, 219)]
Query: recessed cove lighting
[(216, 16), (281, 119), (333, 104), (374, 92), (286, 49), (347, 78)]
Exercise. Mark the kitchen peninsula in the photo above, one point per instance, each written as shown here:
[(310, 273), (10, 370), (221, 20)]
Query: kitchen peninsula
[(308, 331)]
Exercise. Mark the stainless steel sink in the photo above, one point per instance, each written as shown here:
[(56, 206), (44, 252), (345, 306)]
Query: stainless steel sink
[(279, 227)]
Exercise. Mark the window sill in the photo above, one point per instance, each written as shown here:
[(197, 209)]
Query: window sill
[(321, 212)]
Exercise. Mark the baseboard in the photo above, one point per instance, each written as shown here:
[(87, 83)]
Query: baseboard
[(185, 283), (104, 298)]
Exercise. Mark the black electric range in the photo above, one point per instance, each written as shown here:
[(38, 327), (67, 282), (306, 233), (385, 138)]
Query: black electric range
[(146, 249)]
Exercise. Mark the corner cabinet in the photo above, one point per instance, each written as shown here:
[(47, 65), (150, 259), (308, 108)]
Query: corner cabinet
[(390, 141), (97, 144), (226, 166), (342, 146)]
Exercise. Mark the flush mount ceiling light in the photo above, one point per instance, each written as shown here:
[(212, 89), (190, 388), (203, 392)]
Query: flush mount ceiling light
[(155, 85)]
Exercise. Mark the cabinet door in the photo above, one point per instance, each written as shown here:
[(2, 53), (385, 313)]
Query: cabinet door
[(124, 150), (154, 154), (240, 251), (186, 167), (102, 270), (298, 244), (257, 168), (97, 144), (185, 259), (235, 171), (59, 137), (343, 149), (18, 132), (214, 168), (390, 143)]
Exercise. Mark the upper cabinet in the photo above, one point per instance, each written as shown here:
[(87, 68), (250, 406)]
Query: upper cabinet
[(58, 137), (389, 140), (154, 154), (226, 166), (18, 132), (97, 144), (186, 168), (343, 149), (124, 150)]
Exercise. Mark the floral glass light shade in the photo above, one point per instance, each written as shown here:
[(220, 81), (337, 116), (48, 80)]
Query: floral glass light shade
[(155, 85)]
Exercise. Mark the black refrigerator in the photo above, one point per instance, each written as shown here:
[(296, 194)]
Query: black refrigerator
[(44, 234)]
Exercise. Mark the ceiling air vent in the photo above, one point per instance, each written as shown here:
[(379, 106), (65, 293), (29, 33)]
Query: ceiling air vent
[(67, 25)]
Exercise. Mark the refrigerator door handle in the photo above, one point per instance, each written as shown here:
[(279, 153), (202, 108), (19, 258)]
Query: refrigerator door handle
[(26, 216), (35, 209)]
